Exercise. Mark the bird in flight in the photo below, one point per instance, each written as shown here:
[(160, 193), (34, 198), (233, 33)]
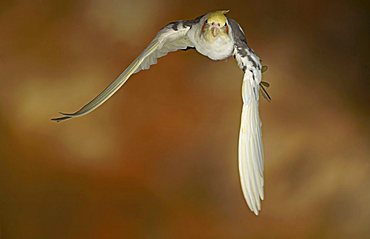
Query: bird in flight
[(218, 37)]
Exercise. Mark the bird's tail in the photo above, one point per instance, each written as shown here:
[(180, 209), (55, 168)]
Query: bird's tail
[(250, 147)]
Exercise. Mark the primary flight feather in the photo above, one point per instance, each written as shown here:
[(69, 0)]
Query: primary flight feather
[(217, 37)]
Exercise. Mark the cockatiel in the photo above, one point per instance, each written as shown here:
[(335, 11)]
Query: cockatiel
[(218, 37)]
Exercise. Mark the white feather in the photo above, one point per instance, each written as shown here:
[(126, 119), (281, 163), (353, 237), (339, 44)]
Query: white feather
[(167, 40), (250, 145)]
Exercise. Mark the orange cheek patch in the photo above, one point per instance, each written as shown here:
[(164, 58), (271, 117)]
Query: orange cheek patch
[(203, 27), (227, 29)]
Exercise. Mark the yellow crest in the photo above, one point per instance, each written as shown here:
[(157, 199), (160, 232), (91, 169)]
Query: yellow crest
[(217, 17)]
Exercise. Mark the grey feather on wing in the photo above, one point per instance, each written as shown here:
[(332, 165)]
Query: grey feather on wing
[(169, 39)]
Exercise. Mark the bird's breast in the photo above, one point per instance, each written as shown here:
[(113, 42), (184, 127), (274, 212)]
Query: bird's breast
[(218, 49), (215, 48)]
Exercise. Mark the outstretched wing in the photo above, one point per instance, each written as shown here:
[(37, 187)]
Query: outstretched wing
[(170, 38), (250, 137)]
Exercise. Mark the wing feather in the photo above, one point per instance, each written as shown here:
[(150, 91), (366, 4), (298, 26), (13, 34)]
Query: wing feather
[(169, 39), (250, 136), (250, 148)]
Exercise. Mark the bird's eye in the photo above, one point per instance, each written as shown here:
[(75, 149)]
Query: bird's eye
[(207, 21), (225, 24)]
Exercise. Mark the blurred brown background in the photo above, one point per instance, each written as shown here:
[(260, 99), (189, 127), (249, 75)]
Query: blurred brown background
[(159, 160)]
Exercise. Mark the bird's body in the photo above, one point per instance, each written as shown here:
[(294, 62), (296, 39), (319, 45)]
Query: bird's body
[(209, 40), (217, 37), (218, 49)]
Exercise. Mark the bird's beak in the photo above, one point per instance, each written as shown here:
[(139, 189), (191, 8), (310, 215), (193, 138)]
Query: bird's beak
[(215, 31)]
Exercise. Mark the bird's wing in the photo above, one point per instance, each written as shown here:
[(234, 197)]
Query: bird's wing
[(250, 137), (170, 38)]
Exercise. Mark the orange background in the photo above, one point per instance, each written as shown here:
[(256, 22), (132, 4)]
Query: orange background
[(159, 160)]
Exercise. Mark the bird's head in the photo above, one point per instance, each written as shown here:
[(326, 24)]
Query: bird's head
[(215, 25)]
